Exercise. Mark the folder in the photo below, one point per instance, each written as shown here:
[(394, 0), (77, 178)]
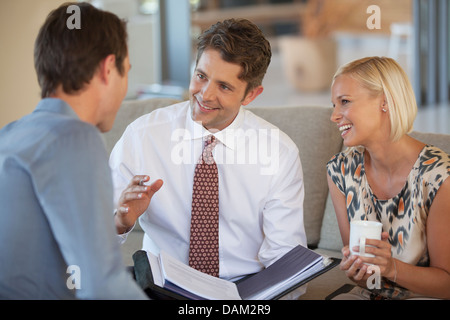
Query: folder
[(296, 268)]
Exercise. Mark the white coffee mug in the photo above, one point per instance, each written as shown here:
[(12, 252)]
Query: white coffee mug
[(360, 230)]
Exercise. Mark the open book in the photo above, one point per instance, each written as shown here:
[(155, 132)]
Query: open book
[(169, 276)]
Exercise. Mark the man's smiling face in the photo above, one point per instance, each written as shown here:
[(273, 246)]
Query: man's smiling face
[(216, 92)]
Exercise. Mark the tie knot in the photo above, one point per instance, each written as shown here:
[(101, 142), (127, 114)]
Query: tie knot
[(210, 143), (210, 140)]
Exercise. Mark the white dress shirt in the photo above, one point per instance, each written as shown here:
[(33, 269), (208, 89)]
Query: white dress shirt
[(260, 186)]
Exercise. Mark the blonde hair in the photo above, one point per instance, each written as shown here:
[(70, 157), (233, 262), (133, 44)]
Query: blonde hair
[(381, 75)]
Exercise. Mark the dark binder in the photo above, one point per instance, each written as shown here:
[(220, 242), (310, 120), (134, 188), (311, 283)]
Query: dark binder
[(246, 286)]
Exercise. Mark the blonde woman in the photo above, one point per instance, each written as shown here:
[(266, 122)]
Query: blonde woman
[(388, 176)]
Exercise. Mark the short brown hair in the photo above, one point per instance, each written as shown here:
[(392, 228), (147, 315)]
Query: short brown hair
[(241, 42), (70, 57)]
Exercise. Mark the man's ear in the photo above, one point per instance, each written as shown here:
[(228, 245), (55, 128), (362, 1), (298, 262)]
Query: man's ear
[(252, 94), (106, 67)]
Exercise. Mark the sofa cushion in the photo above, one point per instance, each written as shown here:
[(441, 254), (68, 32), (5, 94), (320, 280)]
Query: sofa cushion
[(330, 236), (130, 111), (317, 139), (441, 141)]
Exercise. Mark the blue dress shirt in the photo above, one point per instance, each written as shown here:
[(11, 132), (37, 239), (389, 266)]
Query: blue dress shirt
[(57, 235)]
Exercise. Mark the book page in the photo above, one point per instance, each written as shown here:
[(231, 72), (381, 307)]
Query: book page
[(296, 265), (156, 270), (201, 284)]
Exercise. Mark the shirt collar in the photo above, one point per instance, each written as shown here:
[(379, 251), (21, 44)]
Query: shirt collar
[(56, 105), (227, 136)]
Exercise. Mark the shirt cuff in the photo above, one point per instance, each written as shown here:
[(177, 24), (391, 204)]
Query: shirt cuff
[(121, 238)]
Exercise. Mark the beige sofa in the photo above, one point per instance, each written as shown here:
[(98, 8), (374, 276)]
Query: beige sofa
[(318, 140)]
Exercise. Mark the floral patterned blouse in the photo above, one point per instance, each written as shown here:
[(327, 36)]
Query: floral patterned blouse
[(404, 216)]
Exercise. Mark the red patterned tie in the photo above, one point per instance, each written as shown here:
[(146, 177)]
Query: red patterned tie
[(204, 240)]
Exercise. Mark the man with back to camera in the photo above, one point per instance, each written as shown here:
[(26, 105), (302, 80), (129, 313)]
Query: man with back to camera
[(259, 206), (57, 235)]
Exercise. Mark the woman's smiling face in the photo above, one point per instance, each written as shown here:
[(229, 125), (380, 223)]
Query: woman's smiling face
[(357, 113)]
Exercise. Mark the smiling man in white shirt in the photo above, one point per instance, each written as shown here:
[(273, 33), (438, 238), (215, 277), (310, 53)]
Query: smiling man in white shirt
[(260, 177)]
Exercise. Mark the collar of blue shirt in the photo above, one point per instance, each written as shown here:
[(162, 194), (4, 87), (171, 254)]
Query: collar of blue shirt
[(56, 105)]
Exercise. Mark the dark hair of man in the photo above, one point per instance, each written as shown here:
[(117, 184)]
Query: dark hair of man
[(69, 56), (241, 42)]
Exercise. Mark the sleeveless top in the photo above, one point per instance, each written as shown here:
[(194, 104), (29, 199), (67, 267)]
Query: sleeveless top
[(404, 216)]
